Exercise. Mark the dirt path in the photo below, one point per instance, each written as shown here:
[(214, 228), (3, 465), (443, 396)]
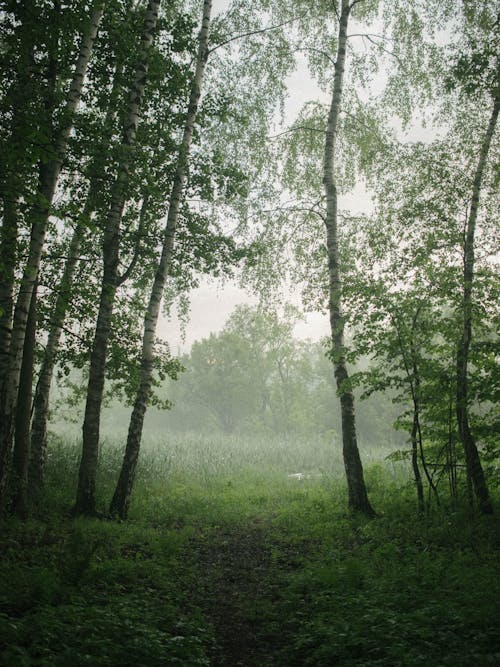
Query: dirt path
[(241, 579)]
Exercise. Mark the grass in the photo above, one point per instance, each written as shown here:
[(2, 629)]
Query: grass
[(227, 561)]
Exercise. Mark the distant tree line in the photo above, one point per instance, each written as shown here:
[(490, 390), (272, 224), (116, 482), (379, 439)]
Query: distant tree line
[(255, 378)]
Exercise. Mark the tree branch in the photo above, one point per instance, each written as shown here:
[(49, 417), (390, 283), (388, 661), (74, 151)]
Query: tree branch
[(294, 129), (86, 343), (370, 38), (255, 32), (137, 246), (336, 10), (320, 51), (369, 34)]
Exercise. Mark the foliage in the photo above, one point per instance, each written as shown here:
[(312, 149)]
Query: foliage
[(404, 291), (238, 551)]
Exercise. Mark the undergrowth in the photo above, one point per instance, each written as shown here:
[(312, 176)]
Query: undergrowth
[(226, 560)]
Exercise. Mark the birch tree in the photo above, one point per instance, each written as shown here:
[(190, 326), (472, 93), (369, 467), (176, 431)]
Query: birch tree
[(405, 40), (406, 293), (358, 498), (121, 498), (85, 498), (474, 467), (227, 146), (49, 171), (58, 315), (17, 106), (21, 452)]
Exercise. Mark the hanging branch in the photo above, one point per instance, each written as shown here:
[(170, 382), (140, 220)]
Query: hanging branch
[(138, 241), (255, 32)]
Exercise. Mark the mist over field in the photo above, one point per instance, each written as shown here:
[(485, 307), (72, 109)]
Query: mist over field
[(252, 382)]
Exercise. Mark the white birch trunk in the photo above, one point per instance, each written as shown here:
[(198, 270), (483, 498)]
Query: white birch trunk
[(475, 471), (42, 393), (13, 162), (121, 498), (358, 498), (49, 175)]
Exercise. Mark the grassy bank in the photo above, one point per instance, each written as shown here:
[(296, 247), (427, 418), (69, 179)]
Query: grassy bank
[(226, 560)]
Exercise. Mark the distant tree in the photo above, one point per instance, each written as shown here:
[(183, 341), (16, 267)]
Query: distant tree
[(251, 375), (225, 381), (283, 365)]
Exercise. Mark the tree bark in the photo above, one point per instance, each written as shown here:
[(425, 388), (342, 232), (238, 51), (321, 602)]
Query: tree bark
[(8, 258), (474, 468), (86, 491), (13, 162), (358, 497), (121, 498), (48, 177), (42, 392), (414, 462), (21, 453)]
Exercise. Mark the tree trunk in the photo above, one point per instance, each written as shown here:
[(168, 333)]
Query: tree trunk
[(451, 460), (416, 435), (358, 498), (414, 462), (8, 259), (21, 455), (13, 161), (42, 393), (48, 177), (85, 497), (473, 462), (121, 498)]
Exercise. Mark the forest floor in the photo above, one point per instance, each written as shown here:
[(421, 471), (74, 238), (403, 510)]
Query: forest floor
[(245, 572)]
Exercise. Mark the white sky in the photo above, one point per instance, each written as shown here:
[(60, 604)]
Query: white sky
[(211, 303)]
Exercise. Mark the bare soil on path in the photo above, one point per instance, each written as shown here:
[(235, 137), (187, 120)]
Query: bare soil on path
[(241, 578)]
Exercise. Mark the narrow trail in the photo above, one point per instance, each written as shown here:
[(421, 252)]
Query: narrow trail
[(241, 576)]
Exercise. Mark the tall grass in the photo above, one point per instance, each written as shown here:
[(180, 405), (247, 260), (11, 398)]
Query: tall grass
[(207, 457), (170, 463)]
